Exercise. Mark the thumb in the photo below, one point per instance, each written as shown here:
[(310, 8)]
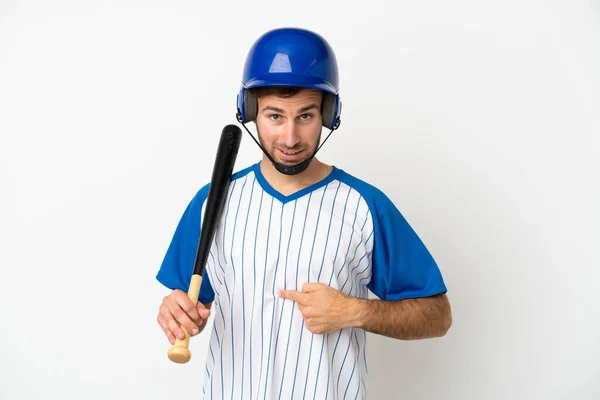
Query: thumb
[(202, 310)]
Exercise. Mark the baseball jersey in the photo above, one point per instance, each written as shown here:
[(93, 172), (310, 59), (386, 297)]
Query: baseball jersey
[(342, 232)]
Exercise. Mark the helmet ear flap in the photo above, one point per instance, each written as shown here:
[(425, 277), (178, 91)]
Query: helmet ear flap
[(331, 110), (247, 106), (250, 106)]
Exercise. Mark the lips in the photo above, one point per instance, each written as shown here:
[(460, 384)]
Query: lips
[(290, 155), (290, 152)]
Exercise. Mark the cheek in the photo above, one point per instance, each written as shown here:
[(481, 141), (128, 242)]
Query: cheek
[(311, 134), (266, 132)]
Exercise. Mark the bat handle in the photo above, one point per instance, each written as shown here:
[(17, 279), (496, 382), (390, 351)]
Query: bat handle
[(180, 353)]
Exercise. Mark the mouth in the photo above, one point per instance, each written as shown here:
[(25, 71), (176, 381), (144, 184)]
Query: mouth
[(290, 155), (290, 152)]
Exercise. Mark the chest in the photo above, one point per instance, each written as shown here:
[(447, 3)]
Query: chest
[(324, 236)]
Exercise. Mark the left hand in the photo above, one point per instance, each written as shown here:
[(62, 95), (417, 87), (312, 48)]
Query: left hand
[(324, 309)]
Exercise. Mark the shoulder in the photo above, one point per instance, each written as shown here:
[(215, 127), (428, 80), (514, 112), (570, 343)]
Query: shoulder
[(202, 194), (243, 172), (375, 198)]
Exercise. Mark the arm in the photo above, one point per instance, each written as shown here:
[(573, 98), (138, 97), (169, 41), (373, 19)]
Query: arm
[(408, 319), (175, 272), (327, 310)]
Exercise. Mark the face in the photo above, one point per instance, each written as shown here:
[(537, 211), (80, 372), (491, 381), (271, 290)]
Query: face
[(289, 128)]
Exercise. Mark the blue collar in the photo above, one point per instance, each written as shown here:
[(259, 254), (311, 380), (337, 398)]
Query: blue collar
[(285, 199)]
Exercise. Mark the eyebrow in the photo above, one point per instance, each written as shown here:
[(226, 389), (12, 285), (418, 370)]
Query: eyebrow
[(310, 107), (277, 110), (300, 111)]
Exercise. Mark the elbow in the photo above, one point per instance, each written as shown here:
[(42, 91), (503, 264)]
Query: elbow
[(441, 328), (446, 321), (445, 325)]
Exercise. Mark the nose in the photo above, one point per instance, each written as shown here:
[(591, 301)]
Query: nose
[(290, 134)]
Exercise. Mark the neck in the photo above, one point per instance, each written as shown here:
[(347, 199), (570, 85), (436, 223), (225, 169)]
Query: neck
[(289, 184)]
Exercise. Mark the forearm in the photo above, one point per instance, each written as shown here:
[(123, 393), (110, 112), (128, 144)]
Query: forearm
[(404, 319)]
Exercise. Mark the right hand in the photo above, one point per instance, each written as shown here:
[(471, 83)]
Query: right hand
[(178, 310)]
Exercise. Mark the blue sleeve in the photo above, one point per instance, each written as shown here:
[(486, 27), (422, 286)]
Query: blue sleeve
[(402, 266), (178, 264)]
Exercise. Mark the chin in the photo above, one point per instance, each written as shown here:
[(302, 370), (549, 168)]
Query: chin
[(290, 163)]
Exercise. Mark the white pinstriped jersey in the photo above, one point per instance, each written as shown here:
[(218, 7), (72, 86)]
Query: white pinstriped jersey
[(341, 232)]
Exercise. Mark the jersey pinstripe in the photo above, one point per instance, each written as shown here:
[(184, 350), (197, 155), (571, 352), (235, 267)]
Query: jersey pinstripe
[(336, 232)]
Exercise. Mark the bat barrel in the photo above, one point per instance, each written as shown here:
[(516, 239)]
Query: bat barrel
[(227, 151)]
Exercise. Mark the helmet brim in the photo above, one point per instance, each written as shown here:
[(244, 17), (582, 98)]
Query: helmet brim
[(289, 79)]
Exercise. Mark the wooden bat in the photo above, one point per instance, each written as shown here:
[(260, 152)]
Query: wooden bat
[(217, 193)]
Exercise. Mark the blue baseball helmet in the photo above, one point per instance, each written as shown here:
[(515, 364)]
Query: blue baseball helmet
[(291, 57)]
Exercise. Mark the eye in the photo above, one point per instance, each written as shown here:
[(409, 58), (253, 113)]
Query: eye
[(306, 117), (274, 117)]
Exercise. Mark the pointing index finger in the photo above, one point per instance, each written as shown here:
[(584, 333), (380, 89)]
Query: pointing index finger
[(292, 295)]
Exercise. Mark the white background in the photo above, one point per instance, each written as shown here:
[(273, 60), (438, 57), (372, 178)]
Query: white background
[(480, 119)]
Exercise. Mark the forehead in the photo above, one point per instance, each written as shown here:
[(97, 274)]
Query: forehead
[(301, 99)]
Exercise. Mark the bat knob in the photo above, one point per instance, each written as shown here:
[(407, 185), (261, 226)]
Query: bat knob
[(179, 354)]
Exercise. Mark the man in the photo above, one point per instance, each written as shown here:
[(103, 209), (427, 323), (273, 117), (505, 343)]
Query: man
[(299, 245)]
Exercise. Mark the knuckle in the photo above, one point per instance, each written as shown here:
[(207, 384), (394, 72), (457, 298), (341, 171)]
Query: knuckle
[(314, 327), (165, 301), (163, 309)]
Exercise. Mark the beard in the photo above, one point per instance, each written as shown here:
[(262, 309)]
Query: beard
[(309, 149)]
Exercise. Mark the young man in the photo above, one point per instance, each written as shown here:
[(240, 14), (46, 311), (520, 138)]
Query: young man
[(299, 245)]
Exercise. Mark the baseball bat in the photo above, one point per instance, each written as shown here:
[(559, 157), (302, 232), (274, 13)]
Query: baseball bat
[(219, 184)]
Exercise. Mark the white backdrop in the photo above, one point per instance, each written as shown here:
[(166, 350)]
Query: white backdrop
[(481, 120)]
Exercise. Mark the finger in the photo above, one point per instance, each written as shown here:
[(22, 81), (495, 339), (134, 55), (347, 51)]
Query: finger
[(292, 295), (203, 311), (172, 325), (179, 317), (311, 287), (165, 328), (187, 306), (184, 320)]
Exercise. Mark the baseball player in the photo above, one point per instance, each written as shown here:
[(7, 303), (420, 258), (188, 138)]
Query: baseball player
[(298, 248)]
